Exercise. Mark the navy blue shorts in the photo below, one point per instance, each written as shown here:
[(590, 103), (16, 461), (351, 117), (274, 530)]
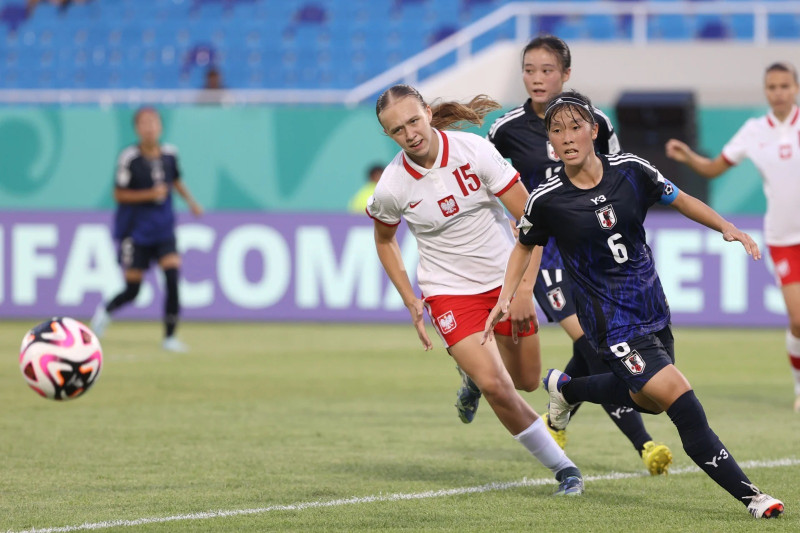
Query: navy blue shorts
[(553, 293), (639, 359), (139, 257)]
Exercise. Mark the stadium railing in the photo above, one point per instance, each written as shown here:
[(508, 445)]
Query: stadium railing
[(460, 43)]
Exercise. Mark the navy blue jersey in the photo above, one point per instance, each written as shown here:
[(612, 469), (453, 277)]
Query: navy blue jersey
[(601, 237), (520, 136), (147, 223)]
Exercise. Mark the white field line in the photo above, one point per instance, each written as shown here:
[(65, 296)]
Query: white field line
[(385, 498)]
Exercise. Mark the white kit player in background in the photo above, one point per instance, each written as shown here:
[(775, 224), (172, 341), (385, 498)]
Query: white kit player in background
[(772, 142), (446, 185)]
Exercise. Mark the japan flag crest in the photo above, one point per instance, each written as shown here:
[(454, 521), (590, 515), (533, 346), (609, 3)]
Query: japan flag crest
[(634, 363), (556, 299), (606, 217)]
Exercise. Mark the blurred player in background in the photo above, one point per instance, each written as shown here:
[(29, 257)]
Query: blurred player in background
[(446, 186), (144, 225), (772, 142), (594, 207), (520, 136), (359, 200)]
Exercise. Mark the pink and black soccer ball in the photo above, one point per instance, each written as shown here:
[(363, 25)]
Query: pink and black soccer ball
[(60, 358)]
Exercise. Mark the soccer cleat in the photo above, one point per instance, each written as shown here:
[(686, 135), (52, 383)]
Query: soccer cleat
[(467, 399), (571, 486), (764, 506), (558, 407), (100, 320), (174, 344), (559, 435), (656, 458)]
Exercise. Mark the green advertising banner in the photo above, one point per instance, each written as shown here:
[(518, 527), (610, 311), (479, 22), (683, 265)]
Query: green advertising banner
[(276, 159)]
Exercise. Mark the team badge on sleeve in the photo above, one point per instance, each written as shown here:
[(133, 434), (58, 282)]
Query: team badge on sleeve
[(524, 225), (447, 322), (448, 206), (634, 362), (606, 217)]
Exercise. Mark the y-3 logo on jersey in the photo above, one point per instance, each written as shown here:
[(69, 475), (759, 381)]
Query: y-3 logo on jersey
[(606, 217), (598, 199)]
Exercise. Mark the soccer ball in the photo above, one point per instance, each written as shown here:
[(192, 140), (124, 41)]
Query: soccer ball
[(60, 358)]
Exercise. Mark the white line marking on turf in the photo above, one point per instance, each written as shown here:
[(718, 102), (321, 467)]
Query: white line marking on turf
[(386, 498)]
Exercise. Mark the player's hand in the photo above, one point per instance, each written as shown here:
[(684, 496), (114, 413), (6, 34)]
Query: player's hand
[(417, 310), (196, 209), (678, 150), (160, 191), (497, 314), (731, 233), (522, 314)]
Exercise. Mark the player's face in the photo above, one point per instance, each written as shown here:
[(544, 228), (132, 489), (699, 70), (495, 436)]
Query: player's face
[(408, 123), (572, 136), (542, 75), (781, 91), (148, 127)]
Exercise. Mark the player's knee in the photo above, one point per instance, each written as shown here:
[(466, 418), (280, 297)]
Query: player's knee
[(526, 383), (497, 389)]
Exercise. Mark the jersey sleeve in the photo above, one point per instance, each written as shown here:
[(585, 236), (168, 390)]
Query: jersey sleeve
[(383, 206), (532, 230), (607, 141), (493, 170), (122, 174), (172, 150), (735, 150), (658, 188)]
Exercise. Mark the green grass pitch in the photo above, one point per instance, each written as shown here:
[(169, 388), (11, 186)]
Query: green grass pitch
[(313, 427)]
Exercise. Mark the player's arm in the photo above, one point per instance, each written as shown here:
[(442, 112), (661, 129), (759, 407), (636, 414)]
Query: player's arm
[(392, 260), (522, 311), (183, 190), (708, 168), (157, 193), (694, 209)]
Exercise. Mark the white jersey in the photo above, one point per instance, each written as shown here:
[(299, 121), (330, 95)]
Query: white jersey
[(774, 148), (463, 235)]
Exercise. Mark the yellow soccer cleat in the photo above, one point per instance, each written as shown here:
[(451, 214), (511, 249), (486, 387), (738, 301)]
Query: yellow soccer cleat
[(656, 458), (559, 435)]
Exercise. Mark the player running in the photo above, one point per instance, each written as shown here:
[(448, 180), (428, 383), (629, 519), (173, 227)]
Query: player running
[(446, 185), (772, 142), (594, 208)]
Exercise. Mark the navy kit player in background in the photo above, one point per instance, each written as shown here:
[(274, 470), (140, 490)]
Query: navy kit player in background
[(144, 225), (520, 136), (594, 208)]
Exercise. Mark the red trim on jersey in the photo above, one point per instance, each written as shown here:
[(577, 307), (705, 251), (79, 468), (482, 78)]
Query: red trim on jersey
[(769, 121), (730, 163), (514, 180), (445, 149), (794, 118), (381, 221), (414, 174)]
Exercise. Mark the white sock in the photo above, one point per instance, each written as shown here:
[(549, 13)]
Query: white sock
[(538, 441), (793, 349)]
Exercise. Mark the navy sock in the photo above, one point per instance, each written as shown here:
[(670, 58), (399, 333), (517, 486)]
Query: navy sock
[(705, 448), (126, 296), (601, 388), (171, 303)]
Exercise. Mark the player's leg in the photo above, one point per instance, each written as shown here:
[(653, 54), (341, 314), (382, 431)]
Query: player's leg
[(170, 263), (134, 261), (787, 269), (791, 295), (485, 364)]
